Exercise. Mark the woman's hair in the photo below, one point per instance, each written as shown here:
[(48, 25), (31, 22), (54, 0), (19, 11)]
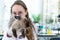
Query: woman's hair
[(19, 2)]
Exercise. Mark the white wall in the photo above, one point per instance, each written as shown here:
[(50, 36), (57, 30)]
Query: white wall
[(1, 14), (34, 6)]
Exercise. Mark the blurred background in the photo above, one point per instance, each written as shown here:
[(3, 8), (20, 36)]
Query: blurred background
[(43, 12)]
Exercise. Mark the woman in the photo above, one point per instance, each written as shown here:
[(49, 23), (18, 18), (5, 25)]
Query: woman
[(17, 9)]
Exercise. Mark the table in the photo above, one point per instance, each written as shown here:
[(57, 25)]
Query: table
[(48, 36), (1, 37)]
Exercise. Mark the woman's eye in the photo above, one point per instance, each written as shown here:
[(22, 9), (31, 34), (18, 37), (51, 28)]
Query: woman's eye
[(20, 13), (14, 13)]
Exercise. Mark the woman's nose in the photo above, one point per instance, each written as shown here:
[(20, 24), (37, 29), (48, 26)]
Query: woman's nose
[(16, 14)]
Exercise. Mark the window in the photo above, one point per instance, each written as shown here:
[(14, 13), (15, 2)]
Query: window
[(50, 9)]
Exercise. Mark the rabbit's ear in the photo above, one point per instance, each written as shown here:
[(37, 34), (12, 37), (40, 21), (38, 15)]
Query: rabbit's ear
[(14, 33), (29, 23)]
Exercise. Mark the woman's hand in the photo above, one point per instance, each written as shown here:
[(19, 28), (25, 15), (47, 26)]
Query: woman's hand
[(9, 35)]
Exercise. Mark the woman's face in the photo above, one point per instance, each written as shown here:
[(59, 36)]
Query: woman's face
[(18, 10)]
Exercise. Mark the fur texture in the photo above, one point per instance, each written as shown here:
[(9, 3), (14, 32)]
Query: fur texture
[(24, 26)]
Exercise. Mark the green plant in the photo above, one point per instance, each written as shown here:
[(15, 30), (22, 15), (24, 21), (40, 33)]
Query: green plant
[(48, 21), (36, 18)]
